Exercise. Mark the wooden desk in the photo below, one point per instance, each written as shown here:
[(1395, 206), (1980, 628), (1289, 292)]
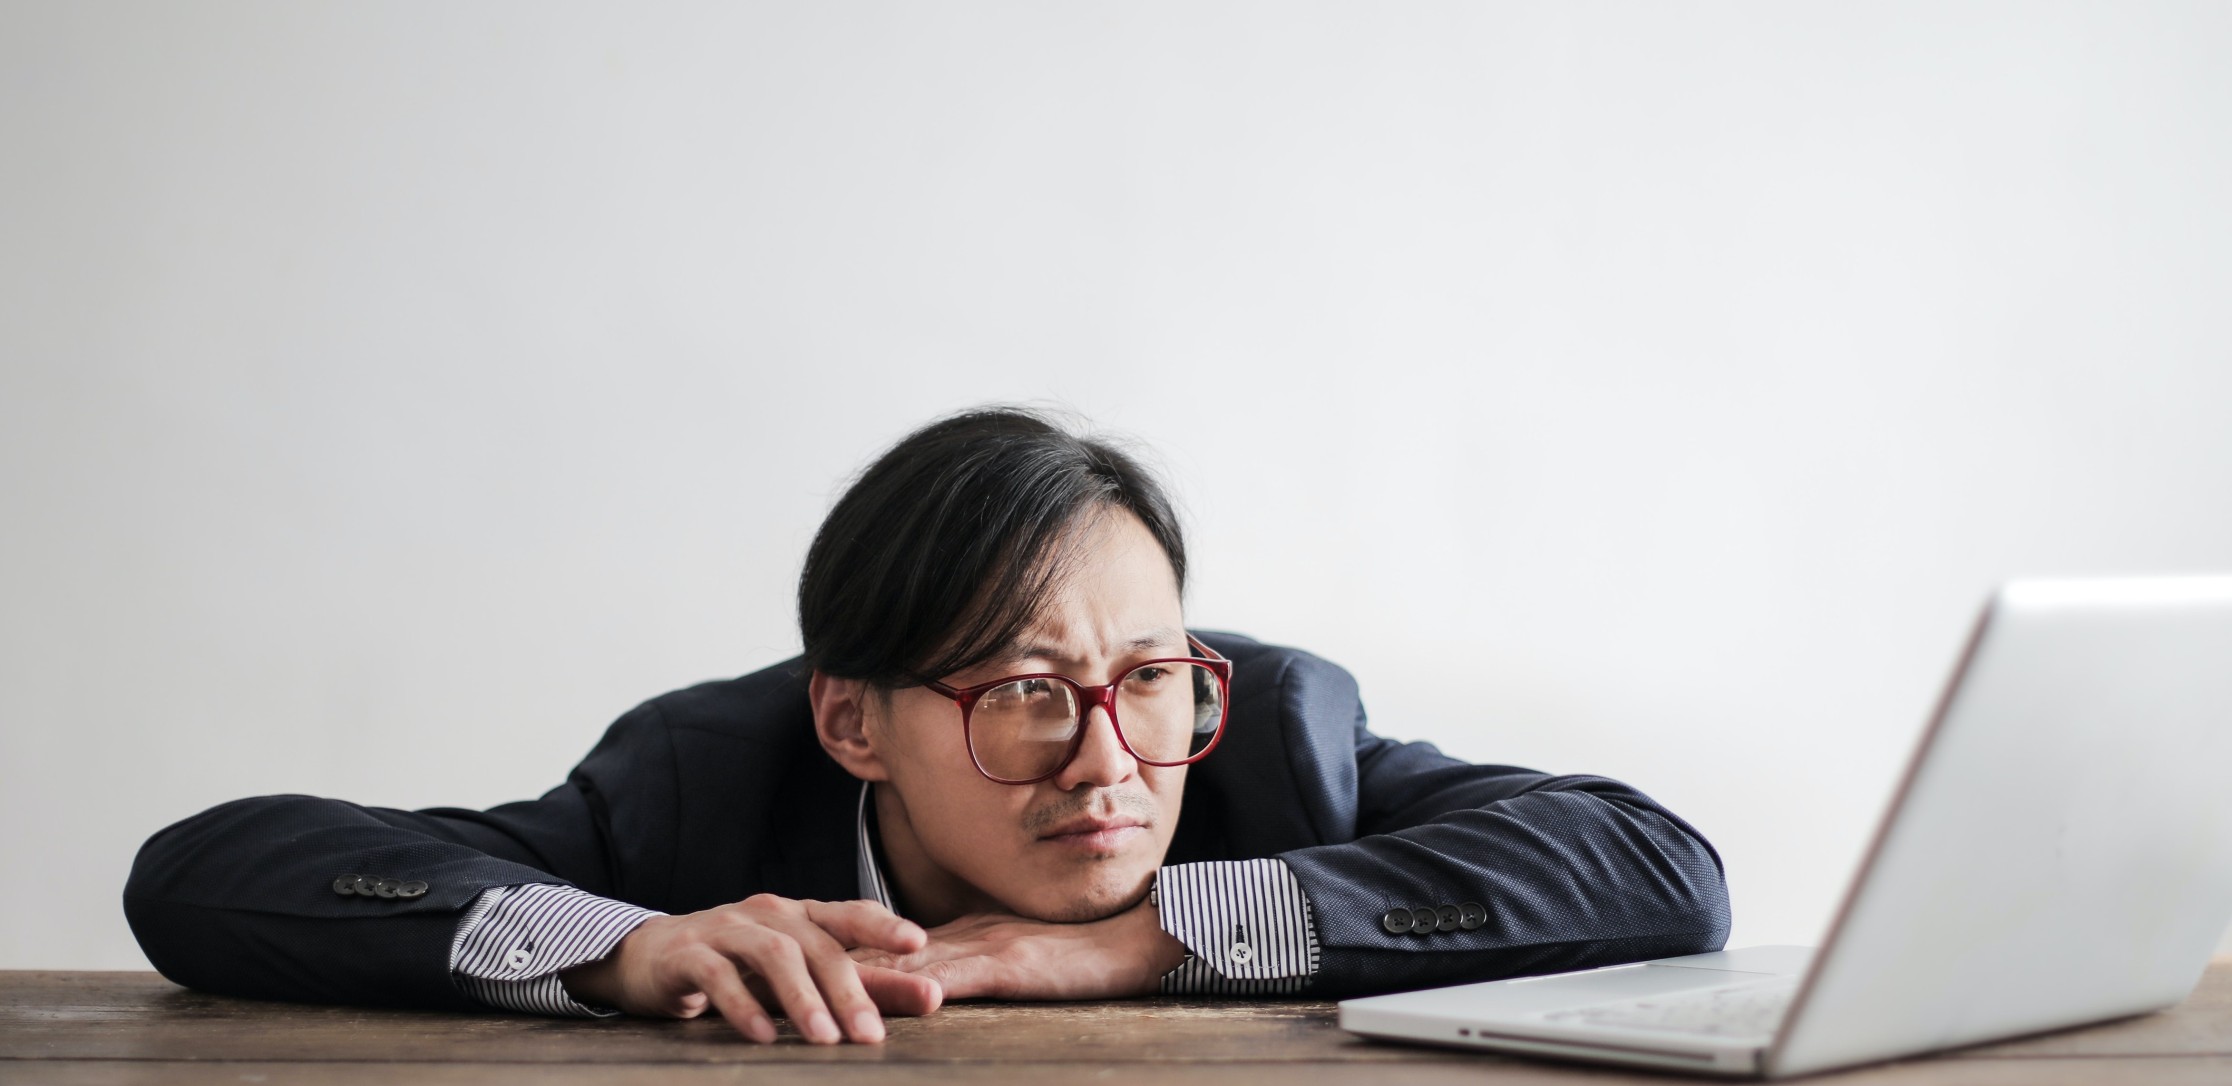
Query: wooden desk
[(136, 1027)]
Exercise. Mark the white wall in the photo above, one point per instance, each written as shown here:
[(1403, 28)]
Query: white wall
[(394, 394)]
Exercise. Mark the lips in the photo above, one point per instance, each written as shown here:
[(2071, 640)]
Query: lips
[(1081, 827)]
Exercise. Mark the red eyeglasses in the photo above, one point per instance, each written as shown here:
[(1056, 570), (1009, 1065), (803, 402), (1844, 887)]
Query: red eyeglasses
[(1024, 729)]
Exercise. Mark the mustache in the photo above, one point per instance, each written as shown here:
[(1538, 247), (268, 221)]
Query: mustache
[(1099, 804)]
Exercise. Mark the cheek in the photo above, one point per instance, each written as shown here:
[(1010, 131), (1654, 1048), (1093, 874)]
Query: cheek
[(948, 799), (1167, 785)]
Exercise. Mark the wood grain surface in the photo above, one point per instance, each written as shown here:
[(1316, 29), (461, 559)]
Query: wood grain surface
[(133, 1027)]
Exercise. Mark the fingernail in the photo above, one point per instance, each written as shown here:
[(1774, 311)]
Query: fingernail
[(867, 1026), (762, 1029), (821, 1027)]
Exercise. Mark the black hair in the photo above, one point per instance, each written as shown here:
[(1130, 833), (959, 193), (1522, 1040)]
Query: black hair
[(943, 551)]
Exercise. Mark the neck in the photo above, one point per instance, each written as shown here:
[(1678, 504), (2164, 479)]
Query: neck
[(927, 894)]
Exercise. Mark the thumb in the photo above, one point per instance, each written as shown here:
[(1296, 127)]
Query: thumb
[(901, 994)]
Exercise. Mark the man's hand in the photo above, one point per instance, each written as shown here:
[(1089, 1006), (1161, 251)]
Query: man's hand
[(996, 956), (765, 949)]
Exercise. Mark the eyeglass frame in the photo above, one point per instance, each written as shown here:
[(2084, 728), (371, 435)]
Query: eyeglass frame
[(1089, 696)]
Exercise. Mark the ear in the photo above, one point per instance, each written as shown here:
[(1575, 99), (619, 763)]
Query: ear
[(841, 708)]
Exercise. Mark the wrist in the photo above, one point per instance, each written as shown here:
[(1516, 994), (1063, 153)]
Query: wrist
[(592, 983), (599, 983), (1163, 952)]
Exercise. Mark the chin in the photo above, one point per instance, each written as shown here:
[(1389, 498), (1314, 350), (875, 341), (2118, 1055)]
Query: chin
[(1098, 900)]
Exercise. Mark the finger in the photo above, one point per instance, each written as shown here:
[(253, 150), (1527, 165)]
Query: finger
[(776, 957), (757, 985), (865, 923), (717, 979), (905, 963), (972, 977), (839, 981), (938, 950), (899, 994), (896, 993)]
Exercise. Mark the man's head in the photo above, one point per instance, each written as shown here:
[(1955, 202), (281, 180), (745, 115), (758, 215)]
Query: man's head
[(991, 544)]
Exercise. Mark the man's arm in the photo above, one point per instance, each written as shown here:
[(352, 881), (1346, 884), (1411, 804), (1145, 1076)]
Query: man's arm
[(300, 898), (244, 899), (1520, 872)]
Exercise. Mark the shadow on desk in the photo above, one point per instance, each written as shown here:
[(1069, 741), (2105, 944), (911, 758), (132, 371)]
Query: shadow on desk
[(133, 1027)]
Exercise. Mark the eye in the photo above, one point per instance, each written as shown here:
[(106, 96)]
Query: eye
[(1150, 675)]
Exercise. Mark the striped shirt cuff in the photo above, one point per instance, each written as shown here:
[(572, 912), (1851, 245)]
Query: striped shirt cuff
[(515, 940), (1246, 924)]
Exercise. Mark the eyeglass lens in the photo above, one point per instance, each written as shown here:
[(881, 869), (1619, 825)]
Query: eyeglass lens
[(1023, 729)]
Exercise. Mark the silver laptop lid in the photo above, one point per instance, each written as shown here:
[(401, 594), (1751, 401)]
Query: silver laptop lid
[(2061, 848)]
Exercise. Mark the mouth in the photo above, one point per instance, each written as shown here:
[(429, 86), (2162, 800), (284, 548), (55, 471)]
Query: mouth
[(1095, 834)]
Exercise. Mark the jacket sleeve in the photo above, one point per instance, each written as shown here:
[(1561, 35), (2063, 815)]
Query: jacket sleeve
[(242, 899), (1568, 872)]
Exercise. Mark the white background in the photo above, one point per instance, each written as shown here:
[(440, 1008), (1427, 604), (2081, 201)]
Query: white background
[(393, 394)]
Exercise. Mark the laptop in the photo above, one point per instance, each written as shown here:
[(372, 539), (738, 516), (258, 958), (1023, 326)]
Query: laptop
[(2059, 852)]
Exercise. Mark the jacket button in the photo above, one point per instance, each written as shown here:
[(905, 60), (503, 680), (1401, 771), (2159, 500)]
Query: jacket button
[(1471, 915), (1448, 917), (345, 885), (386, 887), (368, 886), (413, 888), (1397, 921)]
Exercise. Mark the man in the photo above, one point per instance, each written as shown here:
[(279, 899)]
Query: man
[(969, 786)]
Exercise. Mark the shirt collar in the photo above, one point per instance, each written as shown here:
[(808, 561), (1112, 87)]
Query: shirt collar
[(873, 885)]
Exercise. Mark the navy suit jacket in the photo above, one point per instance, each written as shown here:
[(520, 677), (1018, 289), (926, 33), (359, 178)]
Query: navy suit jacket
[(714, 793)]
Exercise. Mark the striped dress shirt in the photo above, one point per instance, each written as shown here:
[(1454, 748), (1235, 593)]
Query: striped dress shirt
[(1246, 926)]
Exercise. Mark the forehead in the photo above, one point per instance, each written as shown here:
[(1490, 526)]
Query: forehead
[(1117, 596)]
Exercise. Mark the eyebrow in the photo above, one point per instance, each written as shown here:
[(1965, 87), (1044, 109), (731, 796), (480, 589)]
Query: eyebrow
[(1155, 638)]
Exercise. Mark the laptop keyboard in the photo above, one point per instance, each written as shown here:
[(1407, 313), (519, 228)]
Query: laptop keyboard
[(1742, 1010)]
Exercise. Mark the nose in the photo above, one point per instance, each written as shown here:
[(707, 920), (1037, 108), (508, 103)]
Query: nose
[(1101, 758)]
